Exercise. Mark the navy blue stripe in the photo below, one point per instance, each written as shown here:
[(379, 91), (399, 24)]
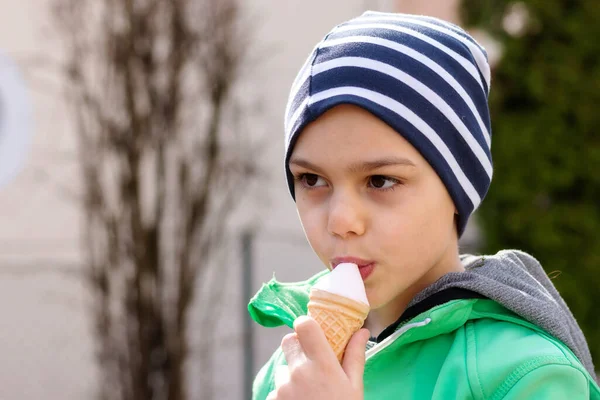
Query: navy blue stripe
[(452, 27), (305, 117), (433, 21), (405, 95), (300, 96), (425, 75), (440, 57), (440, 37)]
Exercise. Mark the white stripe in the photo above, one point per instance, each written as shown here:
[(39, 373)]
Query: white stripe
[(457, 29), (432, 20), (476, 50), (424, 60), (294, 92), (303, 74), (467, 65), (304, 70), (392, 338), (288, 110), (413, 119), (292, 121), (420, 88)]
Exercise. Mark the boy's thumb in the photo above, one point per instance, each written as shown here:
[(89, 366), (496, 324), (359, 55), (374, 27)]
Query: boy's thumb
[(354, 358)]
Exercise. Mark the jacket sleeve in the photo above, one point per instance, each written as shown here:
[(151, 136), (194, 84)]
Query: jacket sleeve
[(264, 382), (548, 382)]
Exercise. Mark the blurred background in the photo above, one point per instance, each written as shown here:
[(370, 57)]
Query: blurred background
[(152, 202)]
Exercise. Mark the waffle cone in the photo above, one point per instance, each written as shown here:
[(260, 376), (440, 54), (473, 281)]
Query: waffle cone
[(338, 316)]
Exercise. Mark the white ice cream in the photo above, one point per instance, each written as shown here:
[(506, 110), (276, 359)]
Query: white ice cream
[(344, 280)]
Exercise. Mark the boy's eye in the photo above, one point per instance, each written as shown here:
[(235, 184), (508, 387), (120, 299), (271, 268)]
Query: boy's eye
[(312, 180), (382, 182)]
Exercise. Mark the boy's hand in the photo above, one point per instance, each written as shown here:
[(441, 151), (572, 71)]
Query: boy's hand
[(314, 371)]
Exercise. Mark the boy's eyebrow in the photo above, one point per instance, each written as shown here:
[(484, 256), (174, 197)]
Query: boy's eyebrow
[(362, 166)]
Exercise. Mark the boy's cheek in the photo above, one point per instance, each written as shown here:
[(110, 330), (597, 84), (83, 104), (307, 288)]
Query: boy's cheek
[(313, 219), (316, 234)]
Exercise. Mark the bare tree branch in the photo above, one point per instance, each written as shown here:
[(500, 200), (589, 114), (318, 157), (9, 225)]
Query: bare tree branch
[(151, 85)]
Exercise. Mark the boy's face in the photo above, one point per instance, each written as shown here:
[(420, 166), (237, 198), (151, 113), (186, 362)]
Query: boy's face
[(364, 191)]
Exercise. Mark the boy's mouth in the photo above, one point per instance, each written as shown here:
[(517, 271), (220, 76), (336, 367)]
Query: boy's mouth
[(365, 267), (354, 260)]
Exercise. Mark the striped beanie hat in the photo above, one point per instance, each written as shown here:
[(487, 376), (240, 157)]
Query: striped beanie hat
[(426, 78)]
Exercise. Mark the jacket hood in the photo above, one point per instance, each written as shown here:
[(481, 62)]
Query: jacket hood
[(518, 282)]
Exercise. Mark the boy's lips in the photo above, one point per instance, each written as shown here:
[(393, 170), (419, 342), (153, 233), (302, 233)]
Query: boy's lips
[(365, 267), (354, 260)]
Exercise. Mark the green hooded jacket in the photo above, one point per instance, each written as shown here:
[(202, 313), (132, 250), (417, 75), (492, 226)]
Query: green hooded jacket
[(462, 349)]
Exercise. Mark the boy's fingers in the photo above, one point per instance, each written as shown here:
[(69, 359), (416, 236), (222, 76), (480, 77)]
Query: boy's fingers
[(292, 349), (354, 358), (313, 340), (272, 395), (282, 375)]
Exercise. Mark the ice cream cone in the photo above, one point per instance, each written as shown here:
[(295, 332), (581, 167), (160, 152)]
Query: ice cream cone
[(339, 317)]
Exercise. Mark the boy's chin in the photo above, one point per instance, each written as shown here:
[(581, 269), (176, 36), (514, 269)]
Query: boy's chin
[(375, 299), (379, 298)]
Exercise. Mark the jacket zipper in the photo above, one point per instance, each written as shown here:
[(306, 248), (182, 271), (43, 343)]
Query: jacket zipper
[(392, 338)]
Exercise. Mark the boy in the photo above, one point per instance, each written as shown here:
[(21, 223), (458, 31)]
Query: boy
[(387, 155)]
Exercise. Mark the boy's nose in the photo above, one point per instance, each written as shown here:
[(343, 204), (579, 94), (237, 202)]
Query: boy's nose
[(346, 216)]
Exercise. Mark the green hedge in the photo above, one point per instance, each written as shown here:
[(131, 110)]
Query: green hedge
[(545, 107)]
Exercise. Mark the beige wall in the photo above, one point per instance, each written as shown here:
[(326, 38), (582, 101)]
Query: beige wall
[(46, 351)]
